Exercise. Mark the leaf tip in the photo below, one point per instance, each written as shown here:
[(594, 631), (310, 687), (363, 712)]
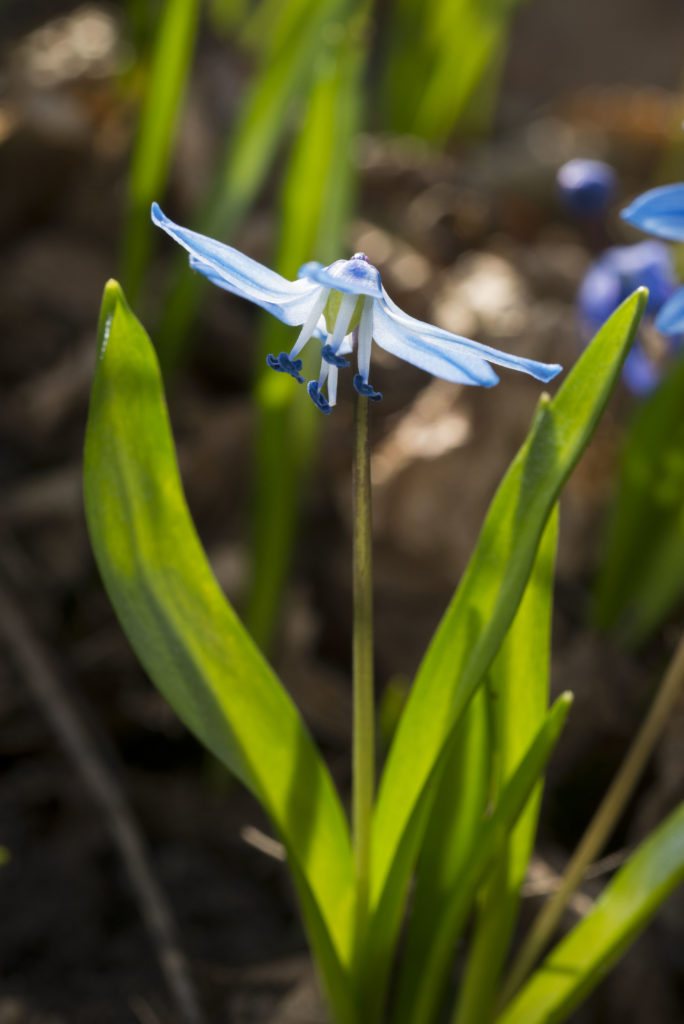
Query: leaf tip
[(642, 293), (113, 292), (112, 297)]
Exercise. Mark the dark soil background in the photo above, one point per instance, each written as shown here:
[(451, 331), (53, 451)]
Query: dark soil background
[(474, 240)]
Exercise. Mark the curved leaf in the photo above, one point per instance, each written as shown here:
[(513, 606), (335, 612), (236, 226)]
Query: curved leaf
[(519, 678), (488, 843), (628, 903), (485, 603), (187, 636)]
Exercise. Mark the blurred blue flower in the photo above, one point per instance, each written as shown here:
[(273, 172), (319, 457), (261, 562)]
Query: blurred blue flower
[(661, 212), (586, 187), (608, 282), (345, 306)]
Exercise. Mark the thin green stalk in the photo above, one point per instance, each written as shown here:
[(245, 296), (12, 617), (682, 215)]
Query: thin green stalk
[(362, 665), (162, 104), (601, 826)]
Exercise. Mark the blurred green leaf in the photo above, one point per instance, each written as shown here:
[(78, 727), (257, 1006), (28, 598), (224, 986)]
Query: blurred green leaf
[(452, 48), (317, 200), (171, 58), (519, 680), (642, 575), (484, 605), (487, 844), (579, 962), (227, 16), (511, 708), (190, 641)]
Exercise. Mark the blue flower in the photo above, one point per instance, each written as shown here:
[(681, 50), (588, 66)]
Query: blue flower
[(609, 280), (587, 187), (661, 212), (345, 307)]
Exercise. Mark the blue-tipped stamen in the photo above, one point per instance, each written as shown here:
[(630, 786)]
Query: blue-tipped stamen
[(365, 389), (284, 364), (317, 398), (331, 357)]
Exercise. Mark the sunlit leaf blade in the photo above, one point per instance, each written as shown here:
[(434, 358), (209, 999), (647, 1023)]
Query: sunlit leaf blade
[(486, 600), (642, 576), (519, 680), (317, 201), (511, 707), (579, 962), (491, 738), (422, 1004), (188, 638), (171, 58), (456, 815)]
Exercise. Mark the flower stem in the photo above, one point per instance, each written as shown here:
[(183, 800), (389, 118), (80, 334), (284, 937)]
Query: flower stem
[(601, 825), (362, 664)]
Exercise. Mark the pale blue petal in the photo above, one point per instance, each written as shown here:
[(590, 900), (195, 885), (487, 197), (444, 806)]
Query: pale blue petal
[(453, 346), (228, 268), (659, 211), (356, 277), (670, 319), (453, 362)]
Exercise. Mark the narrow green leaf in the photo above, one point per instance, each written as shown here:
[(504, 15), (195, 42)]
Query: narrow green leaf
[(642, 576), (513, 704), (190, 641), (519, 678), (486, 600), (579, 962), (456, 816), (171, 58), (451, 46), (488, 843)]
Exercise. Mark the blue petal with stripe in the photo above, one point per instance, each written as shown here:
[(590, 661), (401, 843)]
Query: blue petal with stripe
[(659, 212), (289, 301), (451, 362), (454, 349)]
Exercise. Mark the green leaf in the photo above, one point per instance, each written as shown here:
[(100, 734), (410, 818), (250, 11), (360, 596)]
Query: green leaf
[(171, 58), (456, 816), (487, 845), (642, 576), (450, 46), (579, 962), (190, 641), (486, 600), (519, 679), (490, 741), (509, 710)]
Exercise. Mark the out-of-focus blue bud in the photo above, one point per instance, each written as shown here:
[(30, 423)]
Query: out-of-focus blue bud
[(615, 275), (608, 282), (586, 187)]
